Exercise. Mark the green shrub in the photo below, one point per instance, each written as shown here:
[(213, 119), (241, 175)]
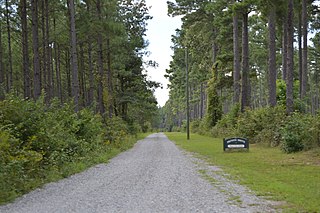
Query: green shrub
[(292, 135), (195, 126), (300, 133), (227, 125), (262, 125), (37, 141)]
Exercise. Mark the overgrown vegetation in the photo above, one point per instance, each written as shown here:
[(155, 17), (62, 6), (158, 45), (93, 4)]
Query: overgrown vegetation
[(269, 126), (40, 143), (293, 178)]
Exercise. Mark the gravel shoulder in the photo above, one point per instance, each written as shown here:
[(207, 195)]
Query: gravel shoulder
[(154, 176)]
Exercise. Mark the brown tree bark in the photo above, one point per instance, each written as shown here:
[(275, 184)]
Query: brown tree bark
[(82, 81), (25, 48), (272, 56), (35, 41), (2, 70), (284, 48), (101, 107), (110, 79), (304, 74), (58, 73), (290, 65), (300, 50), (236, 59), (90, 65), (245, 92), (68, 72), (10, 73), (74, 58), (91, 76), (43, 59), (48, 52)]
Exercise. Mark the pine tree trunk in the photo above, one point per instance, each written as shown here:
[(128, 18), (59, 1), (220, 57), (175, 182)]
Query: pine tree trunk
[(48, 52), (82, 77), (284, 48), (67, 59), (201, 100), (100, 65), (304, 75), (300, 51), (90, 66), (35, 41), (290, 65), (44, 51), (10, 80), (110, 79), (245, 92), (91, 76), (58, 75), (25, 48), (272, 57), (236, 60), (74, 58), (2, 72)]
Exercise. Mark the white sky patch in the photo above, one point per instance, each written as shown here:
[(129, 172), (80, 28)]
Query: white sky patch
[(160, 29)]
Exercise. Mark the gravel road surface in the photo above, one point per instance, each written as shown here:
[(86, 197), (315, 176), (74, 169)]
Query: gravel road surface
[(154, 176)]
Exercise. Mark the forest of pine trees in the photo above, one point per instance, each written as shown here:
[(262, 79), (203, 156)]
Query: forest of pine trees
[(73, 87), (87, 51), (252, 60)]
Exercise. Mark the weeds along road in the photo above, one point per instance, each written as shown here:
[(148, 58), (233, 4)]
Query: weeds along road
[(154, 176)]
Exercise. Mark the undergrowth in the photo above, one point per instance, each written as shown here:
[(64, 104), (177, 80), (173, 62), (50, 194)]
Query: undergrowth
[(40, 143)]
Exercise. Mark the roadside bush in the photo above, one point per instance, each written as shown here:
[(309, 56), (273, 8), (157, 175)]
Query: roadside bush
[(195, 126), (299, 133), (227, 125), (262, 125), (176, 129), (38, 141)]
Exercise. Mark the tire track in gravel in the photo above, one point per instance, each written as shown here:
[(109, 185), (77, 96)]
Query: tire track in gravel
[(154, 176)]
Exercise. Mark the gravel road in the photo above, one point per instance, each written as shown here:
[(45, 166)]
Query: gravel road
[(154, 176)]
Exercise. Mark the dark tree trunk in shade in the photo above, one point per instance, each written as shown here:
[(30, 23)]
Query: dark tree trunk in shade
[(300, 50), (90, 65), (68, 72), (272, 57), (74, 57), (284, 48), (82, 81), (290, 65), (10, 73), (110, 79), (48, 52), (101, 107), (236, 59), (25, 48), (304, 75), (35, 41), (58, 74), (245, 89), (2, 70), (44, 61)]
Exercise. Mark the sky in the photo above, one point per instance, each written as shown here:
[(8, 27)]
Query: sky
[(159, 32)]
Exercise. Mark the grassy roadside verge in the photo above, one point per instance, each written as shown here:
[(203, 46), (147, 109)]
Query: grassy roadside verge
[(70, 168), (294, 178)]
